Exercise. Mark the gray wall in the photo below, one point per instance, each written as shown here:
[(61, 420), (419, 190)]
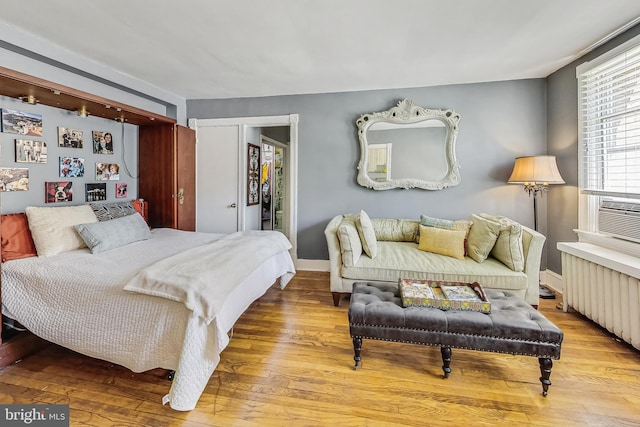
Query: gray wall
[(562, 140), (500, 121), (16, 201)]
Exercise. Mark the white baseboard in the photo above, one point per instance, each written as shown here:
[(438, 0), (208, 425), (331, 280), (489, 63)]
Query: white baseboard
[(312, 265), (552, 280)]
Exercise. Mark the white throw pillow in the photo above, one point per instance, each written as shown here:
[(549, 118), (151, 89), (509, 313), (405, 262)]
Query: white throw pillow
[(367, 234), (52, 228)]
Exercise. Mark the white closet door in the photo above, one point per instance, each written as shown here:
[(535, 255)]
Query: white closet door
[(217, 179)]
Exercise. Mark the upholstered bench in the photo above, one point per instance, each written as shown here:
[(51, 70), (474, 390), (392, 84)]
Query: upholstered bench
[(513, 326)]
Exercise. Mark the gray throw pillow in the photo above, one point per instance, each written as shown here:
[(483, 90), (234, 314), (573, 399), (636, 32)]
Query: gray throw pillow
[(106, 235)]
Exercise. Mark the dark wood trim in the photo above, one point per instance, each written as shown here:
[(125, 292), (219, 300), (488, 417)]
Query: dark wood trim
[(15, 84), (19, 346)]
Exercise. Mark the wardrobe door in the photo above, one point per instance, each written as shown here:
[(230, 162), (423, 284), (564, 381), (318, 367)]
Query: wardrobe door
[(186, 178), (166, 154)]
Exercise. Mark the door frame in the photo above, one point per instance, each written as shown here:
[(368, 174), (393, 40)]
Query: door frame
[(244, 123)]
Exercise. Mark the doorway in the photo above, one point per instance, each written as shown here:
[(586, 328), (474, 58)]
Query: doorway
[(214, 142), (273, 180)]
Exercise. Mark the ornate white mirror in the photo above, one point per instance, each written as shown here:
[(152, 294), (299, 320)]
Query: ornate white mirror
[(408, 146)]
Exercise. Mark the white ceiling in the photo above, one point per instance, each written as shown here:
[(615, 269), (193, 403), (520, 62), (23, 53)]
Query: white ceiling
[(200, 49)]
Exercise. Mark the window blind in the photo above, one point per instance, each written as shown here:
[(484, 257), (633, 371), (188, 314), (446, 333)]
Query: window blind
[(609, 98)]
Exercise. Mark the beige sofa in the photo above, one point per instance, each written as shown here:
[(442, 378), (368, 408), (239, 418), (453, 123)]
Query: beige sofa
[(398, 257)]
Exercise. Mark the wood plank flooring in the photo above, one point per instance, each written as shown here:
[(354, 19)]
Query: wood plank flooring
[(290, 362)]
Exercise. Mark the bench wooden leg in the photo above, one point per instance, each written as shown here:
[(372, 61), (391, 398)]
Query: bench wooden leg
[(357, 348), (446, 360), (545, 369)]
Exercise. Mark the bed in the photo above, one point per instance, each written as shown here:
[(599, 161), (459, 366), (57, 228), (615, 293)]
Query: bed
[(184, 291)]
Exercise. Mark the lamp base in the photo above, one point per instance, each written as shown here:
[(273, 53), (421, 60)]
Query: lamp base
[(546, 293)]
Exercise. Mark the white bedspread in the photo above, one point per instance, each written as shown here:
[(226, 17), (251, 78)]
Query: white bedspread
[(76, 299)]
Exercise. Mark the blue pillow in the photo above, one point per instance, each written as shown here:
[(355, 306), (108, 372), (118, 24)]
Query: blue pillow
[(106, 235)]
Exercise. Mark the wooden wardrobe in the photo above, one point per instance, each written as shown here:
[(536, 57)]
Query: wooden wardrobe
[(167, 175)]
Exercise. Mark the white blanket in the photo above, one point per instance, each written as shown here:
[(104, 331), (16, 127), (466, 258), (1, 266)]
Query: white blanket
[(202, 278)]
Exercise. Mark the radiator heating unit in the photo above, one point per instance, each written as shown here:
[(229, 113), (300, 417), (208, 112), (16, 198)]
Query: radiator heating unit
[(605, 295)]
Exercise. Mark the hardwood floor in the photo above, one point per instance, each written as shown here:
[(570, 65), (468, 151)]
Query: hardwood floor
[(290, 362)]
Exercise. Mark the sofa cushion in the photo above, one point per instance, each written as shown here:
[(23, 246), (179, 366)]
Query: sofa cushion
[(508, 248), (350, 244), (367, 234), (442, 241), (397, 260), (482, 237), (461, 224), (396, 230)]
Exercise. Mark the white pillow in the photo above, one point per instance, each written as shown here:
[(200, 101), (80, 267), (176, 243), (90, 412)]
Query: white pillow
[(367, 234), (52, 228), (105, 235)]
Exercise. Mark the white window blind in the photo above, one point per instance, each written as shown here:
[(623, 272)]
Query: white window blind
[(609, 97)]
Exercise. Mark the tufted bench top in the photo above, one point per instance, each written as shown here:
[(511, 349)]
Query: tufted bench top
[(513, 326)]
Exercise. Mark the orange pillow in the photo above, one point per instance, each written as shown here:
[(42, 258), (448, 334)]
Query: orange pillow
[(16, 237), (141, 208)]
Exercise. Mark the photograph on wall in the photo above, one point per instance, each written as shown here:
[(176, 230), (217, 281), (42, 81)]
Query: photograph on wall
[(253, 175), (107, 171), (121, 190), (96, 192), (102, 142), (69, 138), (14, 179), (28, 151), (21, 123), (71, 167), (57, 192)]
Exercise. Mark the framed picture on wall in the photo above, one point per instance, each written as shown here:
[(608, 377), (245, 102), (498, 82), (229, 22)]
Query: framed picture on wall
[(14, 179), (121, 190), (253, 175), (21, 123), (107, 172), (96, 192), (28, 151), (71, 167), (69, 138), (57, 192), (102, 142)]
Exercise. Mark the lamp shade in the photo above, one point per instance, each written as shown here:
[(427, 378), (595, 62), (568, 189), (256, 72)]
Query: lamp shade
[(536, 170)]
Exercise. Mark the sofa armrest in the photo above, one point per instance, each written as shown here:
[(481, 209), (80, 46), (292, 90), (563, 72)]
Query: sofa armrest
[(335, 254), (532, 244)]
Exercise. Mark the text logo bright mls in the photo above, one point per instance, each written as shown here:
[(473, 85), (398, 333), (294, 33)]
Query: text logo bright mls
[(34, 415)]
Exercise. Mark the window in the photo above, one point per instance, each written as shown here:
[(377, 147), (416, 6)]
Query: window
[(609, 139)]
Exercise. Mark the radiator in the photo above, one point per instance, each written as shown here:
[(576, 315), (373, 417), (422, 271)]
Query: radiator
[(606, 296)]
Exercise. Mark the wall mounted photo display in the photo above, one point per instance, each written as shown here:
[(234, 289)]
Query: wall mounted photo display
[(57, 192), (253, 174), (71, 167), (102, 142), (14, 121), (69, 138), (29, 151), (96, 192), (107, 172), (14, 179), (121, 190)]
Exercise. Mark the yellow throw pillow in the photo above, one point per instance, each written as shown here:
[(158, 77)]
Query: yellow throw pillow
[(442, 241)]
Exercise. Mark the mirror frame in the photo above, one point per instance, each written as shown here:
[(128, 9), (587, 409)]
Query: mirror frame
[(408, 113)]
